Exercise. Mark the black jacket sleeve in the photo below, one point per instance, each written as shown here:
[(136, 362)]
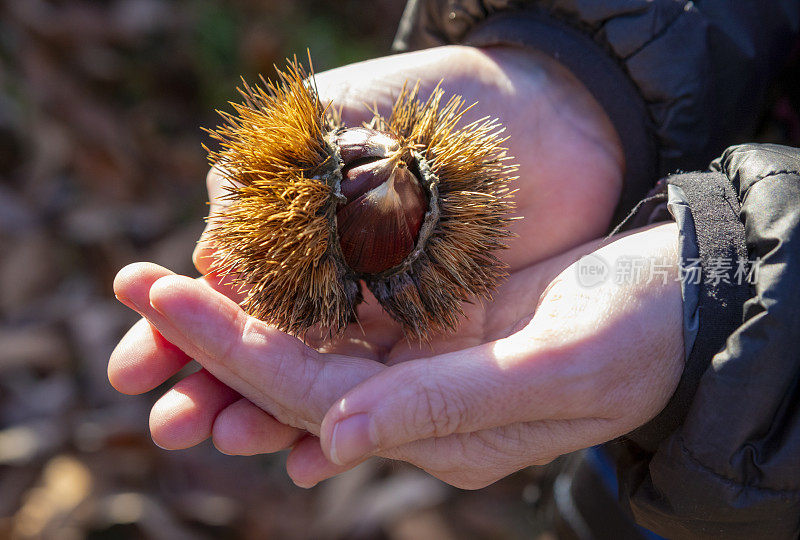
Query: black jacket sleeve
[(723, 459), (680, 80)]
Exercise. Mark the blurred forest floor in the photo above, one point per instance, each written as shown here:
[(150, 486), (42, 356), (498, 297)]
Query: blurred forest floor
[(101, 108)]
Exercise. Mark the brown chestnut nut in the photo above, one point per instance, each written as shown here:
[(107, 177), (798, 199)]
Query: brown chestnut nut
[(378, 225)]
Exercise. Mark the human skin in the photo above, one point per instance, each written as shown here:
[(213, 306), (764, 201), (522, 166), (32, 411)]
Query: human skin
[(547, 367)]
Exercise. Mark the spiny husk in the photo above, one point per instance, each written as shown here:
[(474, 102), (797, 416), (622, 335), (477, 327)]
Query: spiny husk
[(458, 263), (277, 237), (273, 236)]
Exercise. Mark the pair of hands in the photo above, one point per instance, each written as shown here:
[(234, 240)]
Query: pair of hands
[(546, 368)]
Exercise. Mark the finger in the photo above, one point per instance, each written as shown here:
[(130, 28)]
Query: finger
[(457, 392), (143, 359), (243, 429), (146, 356), (184, 415), (466, 461), (272, 369), (307, 465), (475, 460), (211, 332), (132, 286)]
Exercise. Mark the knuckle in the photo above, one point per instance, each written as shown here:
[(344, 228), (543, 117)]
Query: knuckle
[(231, 348), (312, 378), (438, 412), (295, 377)]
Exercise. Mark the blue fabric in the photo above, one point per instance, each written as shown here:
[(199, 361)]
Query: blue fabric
[(601, 464)]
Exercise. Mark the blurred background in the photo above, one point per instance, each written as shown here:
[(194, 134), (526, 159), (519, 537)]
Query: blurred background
[(101, 108)]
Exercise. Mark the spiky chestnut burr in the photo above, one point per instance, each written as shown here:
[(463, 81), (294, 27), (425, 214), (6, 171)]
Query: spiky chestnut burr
[(412, 206)]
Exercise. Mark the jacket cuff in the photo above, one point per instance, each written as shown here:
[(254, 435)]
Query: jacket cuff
[(714, 284), (600, 74), (730, 470)]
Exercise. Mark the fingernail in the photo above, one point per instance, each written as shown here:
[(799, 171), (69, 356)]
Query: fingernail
[(351, 440)]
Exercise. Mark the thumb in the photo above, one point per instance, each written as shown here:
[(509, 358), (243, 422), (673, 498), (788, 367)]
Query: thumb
[(495, 384)]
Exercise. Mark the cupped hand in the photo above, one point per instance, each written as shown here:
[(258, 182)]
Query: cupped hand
[(570, 170), (581, 365)]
